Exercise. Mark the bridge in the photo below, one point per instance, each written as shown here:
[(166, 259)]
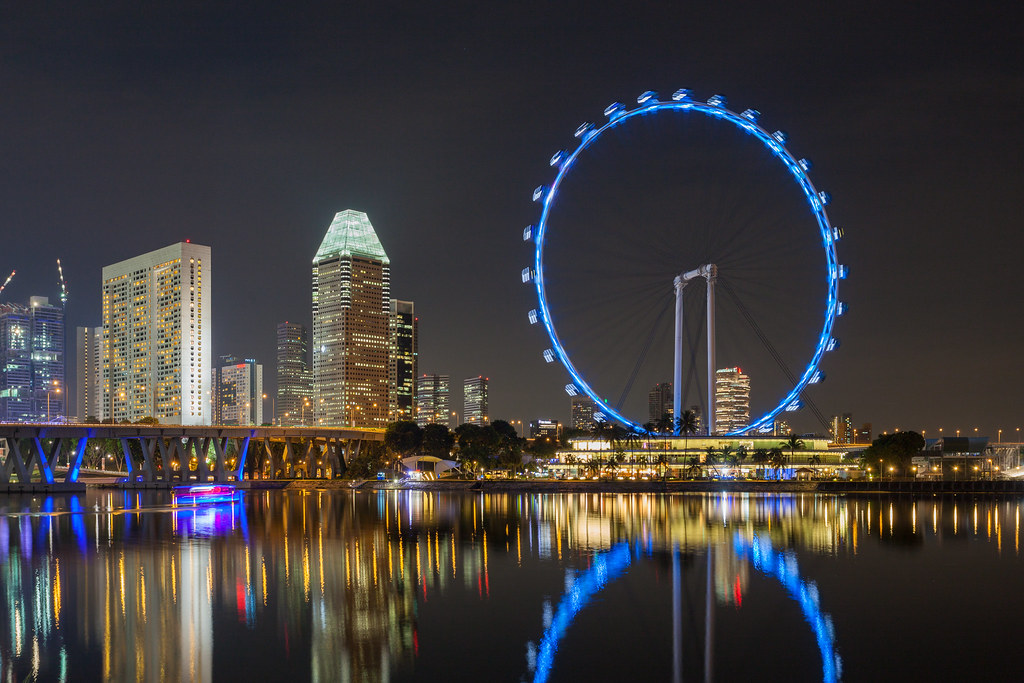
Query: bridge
[(155, 453)]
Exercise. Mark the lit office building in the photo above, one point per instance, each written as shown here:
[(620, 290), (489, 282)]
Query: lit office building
[(238, 388), (32, 362), (432, 400), (732, 400), (403, 354), (474, 401), (294, 379), (581, 407), (549, 430), (156, 336), (659, 402), (781, 428), (351, 310), (842, 429), (89, 372)]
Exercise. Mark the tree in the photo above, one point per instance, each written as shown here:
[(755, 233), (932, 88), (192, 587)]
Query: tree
[(509, 445), (664, 424), (760, 458), (438, 440), (898, 450), (686, 424), (403, 438), (793, 443), (777, 460)]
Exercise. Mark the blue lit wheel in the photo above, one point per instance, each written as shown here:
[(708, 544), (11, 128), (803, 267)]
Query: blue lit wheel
[(761, 237)]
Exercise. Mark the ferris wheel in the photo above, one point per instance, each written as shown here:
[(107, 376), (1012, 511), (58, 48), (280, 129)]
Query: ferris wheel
[(637, 279)]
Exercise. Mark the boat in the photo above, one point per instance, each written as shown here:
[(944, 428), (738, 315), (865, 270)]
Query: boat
[(205, 494)]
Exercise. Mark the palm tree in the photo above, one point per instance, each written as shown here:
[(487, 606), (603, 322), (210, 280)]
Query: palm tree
[(686, 424), (741, 455), (777, 460), (793, 443), (664, 424), (760, 458)]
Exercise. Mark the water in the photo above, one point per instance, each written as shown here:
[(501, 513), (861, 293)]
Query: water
[(397, 586)]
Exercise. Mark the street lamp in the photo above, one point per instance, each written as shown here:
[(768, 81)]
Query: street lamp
[(56, 390)]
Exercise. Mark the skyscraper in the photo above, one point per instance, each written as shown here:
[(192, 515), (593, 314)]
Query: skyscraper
[(239, 392), (32, 361), (351, 309), (732, 400), (582, 408), (432, 400), (294, 379), (659, 402), (403, 355), (89, 372), (474, 401), (156, 336)]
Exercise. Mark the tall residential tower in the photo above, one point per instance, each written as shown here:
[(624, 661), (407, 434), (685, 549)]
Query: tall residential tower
[(156, 336), (732, 400), (474, 401), (432, 400)]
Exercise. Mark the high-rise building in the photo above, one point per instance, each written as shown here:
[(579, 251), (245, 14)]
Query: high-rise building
[(89, 372), (32, 362), (403, 355), (659, 402), (581, 407), (156, 336), (351, 309), (864, 434), (781, 428), (294, 379), (474, 401), (732, 400), (432, 400), (239, 391), (842, 429)]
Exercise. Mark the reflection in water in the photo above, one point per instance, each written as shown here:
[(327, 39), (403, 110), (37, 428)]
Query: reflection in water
[(330, 586)]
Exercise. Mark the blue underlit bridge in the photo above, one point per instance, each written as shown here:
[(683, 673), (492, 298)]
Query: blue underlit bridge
[(33, 454)]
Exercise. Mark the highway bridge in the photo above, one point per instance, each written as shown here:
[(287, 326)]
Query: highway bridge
[(152, 453)]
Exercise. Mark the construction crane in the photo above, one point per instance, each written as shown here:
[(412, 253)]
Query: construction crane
[(63, 286), (4, 285)]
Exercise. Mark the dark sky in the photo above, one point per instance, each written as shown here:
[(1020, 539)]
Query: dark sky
[(246, 126)]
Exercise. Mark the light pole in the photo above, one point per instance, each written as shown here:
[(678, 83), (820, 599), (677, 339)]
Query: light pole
[(56, 390)]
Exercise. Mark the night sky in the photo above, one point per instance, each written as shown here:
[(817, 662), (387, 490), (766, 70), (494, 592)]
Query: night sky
[(246, 126)]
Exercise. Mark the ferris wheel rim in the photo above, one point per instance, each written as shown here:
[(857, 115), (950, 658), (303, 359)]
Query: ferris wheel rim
[(746, 121)]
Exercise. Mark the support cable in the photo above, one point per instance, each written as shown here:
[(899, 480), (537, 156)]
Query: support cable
[(643, 356), (773, 352)]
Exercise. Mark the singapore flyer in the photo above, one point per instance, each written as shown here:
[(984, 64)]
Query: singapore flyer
[(681, 246)]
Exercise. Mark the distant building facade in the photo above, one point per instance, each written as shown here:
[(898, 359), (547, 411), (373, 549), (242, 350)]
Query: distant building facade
[(581, 408), (239, 392), (659, 402), (433, 400), (842, 429), (89, 372), (351, 312), (156, 336), (550, 430), (474, 400), (732, 400), (864, 434), (403, 357), (32, 369), (294, 378)]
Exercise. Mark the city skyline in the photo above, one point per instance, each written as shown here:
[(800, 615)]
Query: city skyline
[(208, 121)]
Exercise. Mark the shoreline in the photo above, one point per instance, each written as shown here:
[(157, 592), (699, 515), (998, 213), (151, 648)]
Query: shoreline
[(1010, 487)]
